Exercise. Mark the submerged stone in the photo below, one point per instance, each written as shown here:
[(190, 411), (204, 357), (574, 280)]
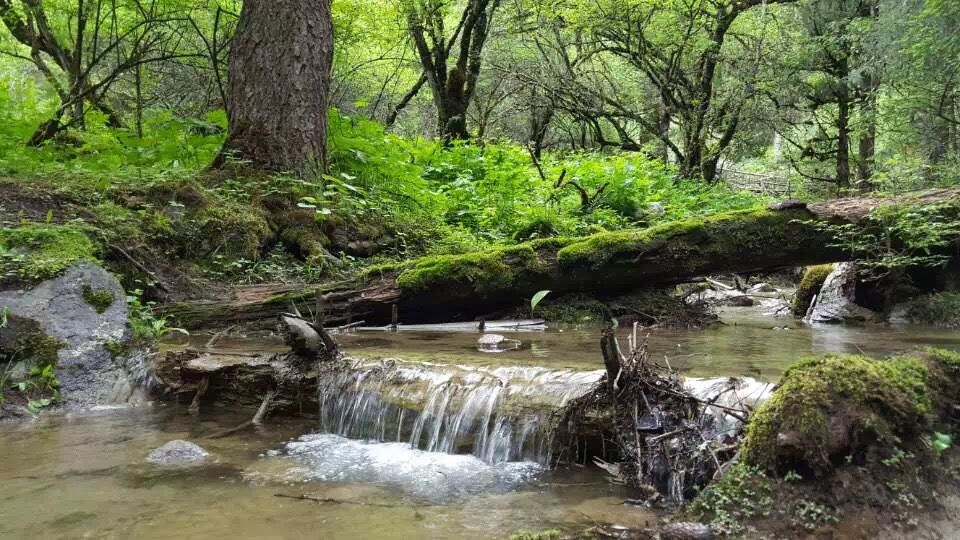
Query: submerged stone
[(178, 452), (496, 343)]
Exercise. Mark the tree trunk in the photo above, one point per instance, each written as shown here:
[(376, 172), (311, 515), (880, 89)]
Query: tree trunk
[(461, 287), (280, 61), (843, 139)]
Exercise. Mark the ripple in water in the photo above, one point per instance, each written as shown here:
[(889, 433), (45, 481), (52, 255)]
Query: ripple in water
[(430, 476)]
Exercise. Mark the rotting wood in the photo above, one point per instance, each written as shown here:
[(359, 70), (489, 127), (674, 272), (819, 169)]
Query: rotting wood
[(480, 284)]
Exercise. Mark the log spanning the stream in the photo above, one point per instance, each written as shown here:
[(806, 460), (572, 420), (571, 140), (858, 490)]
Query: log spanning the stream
[(461, 287)]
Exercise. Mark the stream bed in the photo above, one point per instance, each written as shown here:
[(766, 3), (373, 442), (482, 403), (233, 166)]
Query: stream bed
[(85, 475)]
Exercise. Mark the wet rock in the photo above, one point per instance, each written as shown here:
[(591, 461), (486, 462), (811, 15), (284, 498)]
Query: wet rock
[(738, 301), (835, 303), (763, 288), (685, 531), (85, 309), (362, 248), (178, 452), (656, 209), (496, 343)]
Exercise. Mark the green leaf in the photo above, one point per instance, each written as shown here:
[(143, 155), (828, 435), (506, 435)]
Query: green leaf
[(537, 298), (941, 441)]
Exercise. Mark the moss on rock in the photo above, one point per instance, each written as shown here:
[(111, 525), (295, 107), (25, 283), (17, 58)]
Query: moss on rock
[(810, 284), (35, 252), (830, 407), (100, 301)]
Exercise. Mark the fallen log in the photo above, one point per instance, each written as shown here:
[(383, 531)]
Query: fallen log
[(462, 287)]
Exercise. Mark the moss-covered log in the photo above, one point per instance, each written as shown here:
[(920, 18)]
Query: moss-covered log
[(451, 287)]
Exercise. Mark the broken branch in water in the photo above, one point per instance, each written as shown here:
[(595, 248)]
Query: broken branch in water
[(666, 438), (327, 500)]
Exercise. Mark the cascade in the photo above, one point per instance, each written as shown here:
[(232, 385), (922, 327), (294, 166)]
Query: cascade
[(497, 414)]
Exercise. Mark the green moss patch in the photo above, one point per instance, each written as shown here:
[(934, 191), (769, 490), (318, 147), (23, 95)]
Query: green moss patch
[(743, 493), (727, 232), (100, 301), (810, 284), (483, 272), (35, 252), (830, 407)]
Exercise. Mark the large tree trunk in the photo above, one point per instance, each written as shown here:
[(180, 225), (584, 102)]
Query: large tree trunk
[(280, 61), (460, 287)]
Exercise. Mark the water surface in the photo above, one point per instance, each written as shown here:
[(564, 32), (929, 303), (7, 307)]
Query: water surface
[(84, 475)]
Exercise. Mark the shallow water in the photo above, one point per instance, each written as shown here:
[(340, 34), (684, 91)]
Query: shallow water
[(746, 344), (84, 475)]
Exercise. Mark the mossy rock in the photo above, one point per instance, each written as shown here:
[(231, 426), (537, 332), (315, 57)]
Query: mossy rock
[(834, 408), (809, 287), (35, 252), (22, 339)]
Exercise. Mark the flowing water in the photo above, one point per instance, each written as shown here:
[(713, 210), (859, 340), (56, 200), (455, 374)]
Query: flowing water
[(425, 438)]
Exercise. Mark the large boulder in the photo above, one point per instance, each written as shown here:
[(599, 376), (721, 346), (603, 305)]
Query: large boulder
[(836, 301), (83, 312)]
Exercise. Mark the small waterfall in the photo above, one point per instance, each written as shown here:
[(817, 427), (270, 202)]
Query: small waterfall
[(497, 414)]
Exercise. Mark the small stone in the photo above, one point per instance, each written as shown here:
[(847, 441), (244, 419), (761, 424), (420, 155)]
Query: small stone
[(685, 531), (496, 343), (178, 452)]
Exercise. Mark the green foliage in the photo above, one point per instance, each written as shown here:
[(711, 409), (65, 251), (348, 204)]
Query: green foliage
[(38, 353), (34, 252), (536, 299), (145, 323), (742, 493), (936, 309), (941, 442), (893, 237)]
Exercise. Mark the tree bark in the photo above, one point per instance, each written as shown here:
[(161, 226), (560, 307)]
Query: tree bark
[(461, 287), (279, 70)]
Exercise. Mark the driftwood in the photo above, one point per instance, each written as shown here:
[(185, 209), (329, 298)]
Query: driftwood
[(463, 287), (664, 442)]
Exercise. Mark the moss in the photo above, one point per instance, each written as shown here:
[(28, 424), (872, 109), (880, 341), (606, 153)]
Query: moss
[(38, 348), (937, 309), (307, 240), (379, 271), (484, 271), (116, 349), (810, 284), (880, 400), (950, 360), (727, 230), (741, 494), (99, 300), (35, 252)]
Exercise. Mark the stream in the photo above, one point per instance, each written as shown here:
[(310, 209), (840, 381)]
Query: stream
[(470, 464)]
